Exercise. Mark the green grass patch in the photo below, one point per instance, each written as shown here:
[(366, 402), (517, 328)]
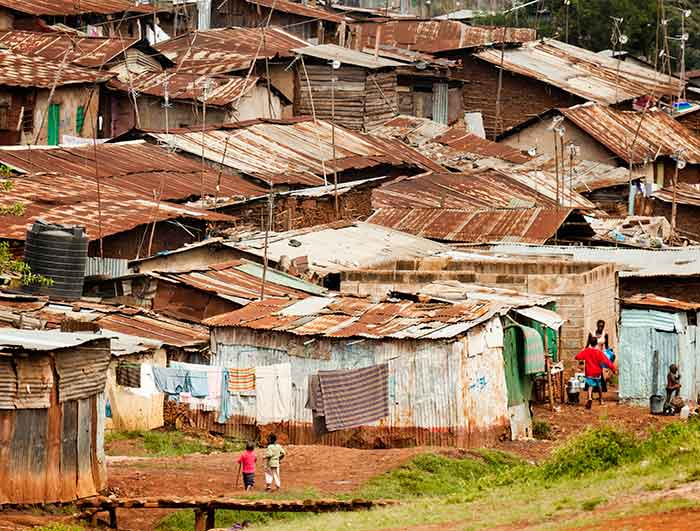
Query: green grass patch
[(590, 505), (541, 430), (171, 443), (58, 527), (184, 520)]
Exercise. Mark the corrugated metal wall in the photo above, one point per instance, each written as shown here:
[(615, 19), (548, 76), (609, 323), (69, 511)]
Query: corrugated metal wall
[(440, 392), (440, 103), (106, 267), (642, 332)]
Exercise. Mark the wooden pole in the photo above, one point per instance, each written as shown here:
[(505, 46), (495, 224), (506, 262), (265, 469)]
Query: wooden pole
[(674, 205), (335, 162), (211, 519), (548, 368), (556, 162)]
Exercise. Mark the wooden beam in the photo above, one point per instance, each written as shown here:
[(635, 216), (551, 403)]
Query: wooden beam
[(211, 520), (200, 520)]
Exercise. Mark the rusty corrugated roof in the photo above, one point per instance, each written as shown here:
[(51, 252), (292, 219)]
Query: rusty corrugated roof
[(67, 200), (18, 70), (449, 146), (73, 7), (686, 194), (352, 317), (88, 52), (523, 225), (435, 35), (635, 137), (655, 301), (241, 281), (135, 167), (586, 74), (482, 188), (221, 91), (586, 175), (292, 151), (302, 10), (170, 332), (224, 50)]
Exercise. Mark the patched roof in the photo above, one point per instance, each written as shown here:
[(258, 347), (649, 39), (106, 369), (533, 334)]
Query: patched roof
[(24, 71), (73, 7)]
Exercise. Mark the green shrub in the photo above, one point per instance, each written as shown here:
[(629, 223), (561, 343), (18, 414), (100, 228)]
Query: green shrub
[(596, 449), (58, 527), (541, 429), (590, 505)]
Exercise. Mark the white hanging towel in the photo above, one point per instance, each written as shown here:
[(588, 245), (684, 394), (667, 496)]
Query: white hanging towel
[(273, 393)]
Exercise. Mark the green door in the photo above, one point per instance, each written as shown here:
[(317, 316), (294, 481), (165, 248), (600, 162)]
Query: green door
[(518, 384), (54, 121)]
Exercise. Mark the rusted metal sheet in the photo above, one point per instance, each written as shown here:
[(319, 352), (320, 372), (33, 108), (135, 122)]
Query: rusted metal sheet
[(137, 168), (435, 35), (636, 137), (586, 175), (221, 91), (34, 382), (225, 50), (86, 484), (82, 371), (65, 200), (25, 71), (8, 383), (28, 455), (88, 52), (168, 331), (69, 450), (71, 7), (349, 317), (462, 140), (686, 194), (652, 300), (230, 280), (581, 72), (525, 225), (333, 52), (293, 151), (309, 11)]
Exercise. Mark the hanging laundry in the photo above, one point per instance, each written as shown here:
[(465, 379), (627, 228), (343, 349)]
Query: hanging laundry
[(314, 400), (172, 380), (128, 375), (273, 388), (225, 410), (355, 397), (199, 384), (241, 380)]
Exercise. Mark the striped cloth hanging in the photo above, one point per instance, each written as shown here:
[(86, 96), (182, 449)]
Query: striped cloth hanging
[(241, 380)]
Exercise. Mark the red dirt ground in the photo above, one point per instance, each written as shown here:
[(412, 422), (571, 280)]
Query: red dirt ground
[(327, 470), (679, 520)]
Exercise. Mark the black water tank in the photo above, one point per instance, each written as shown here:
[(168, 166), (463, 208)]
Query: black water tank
[(60, 253)]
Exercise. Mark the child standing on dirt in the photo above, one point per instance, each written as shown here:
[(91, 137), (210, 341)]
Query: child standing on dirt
[(246, 461), (274, 454), (594, 359)]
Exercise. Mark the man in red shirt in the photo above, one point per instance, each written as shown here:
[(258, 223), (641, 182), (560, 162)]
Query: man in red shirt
[(594, 359)]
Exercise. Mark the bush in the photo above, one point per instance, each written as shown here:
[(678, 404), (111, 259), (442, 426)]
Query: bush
[(596, 449), (541, 429)]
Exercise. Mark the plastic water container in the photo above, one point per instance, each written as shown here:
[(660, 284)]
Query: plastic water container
[(685, 412)]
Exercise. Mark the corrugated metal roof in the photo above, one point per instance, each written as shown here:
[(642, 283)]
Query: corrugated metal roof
[(483, 188), (13, 340), (449, 146), (24, 71), (333, 52), (73, 7), (224, 50), (636, 137), (89, 52), (303, 10), (581, 72), (435, 35), (292, 151), (658, 320), (656, 301), (166, 331), (66, 200), (222, 91), (137, 168), (525, 225), (587, 175), (344, 317), (340, 246), (453, 290), (686, 194), (241, 281), (676, 261)]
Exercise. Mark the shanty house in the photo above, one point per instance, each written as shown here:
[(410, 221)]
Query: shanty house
[(52, 414), (351, 88), (649, 141), (446, 382), (656, 332), (43, 102), (545, 74), (308, 21)]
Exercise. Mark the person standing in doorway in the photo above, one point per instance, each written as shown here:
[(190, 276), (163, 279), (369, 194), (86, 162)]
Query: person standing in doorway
[(600, 334), (274, 454), (593, 359)]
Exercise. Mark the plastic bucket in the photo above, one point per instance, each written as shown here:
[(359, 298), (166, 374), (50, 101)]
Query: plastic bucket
[(656, 404)]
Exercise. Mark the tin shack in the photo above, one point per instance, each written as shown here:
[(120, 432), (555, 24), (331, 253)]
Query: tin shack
[(52, 415), (449, 380)]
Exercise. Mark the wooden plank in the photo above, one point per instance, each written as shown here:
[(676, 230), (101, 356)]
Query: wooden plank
[(200, 520), (86, 485), (53, 451)]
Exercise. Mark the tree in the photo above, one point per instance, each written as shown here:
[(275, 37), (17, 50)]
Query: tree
[(8, 263)]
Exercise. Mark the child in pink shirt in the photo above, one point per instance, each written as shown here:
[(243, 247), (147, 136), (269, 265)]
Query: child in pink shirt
[(247, 462)]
